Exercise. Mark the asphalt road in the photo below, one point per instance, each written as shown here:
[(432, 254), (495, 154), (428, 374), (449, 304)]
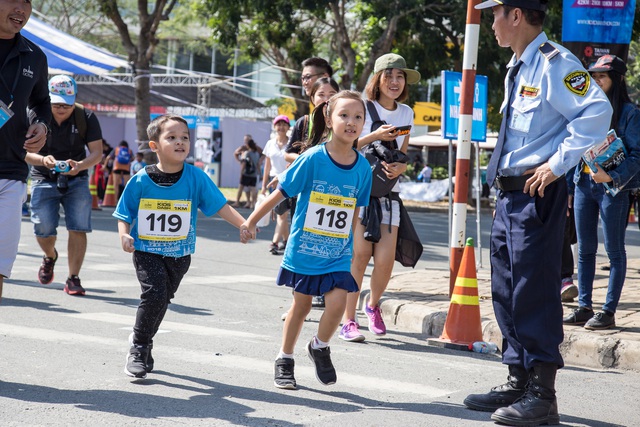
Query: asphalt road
[(62, 357)]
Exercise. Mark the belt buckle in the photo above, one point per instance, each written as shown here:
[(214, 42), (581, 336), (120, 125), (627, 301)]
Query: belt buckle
[(499, 185)]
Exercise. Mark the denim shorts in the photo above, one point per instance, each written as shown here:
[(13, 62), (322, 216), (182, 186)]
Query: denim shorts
[(45, 206)]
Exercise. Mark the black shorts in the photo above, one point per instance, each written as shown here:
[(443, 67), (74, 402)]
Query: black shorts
[(121, 172), (248, 181)]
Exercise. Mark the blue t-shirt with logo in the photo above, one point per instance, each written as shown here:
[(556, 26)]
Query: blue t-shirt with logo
[(164, 218), (321, 240)]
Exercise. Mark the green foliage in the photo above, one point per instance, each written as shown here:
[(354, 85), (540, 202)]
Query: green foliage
[(440, 172)]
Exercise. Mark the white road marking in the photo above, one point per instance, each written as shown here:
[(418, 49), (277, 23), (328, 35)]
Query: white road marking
[(231, 362)]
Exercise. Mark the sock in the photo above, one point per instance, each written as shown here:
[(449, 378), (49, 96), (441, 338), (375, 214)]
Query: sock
[(283, 355), (317, 344), (608, 313)]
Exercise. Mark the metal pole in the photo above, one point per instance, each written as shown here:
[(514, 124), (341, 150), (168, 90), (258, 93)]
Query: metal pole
[(450, 187), (472, 33), (478, 193)]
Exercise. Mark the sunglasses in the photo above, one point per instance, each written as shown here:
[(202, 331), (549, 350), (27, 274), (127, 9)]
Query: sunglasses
[(61, 106)]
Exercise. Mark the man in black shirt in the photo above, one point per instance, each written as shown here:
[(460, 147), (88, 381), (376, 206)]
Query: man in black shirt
[(24, 116), (60, 176)]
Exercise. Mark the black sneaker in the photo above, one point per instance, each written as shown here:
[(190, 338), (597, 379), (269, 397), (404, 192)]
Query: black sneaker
[(137, 361), (601, 320), (73, 286), (273, 248), (284, 374), (321, 357), (318, 301), (45, 273), (579, 316), (150, 361)]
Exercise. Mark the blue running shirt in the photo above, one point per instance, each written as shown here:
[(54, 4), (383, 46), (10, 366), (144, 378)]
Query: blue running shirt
[(164, 218), (321, 237)]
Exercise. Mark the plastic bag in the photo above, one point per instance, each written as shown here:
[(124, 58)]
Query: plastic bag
[(264, 221)]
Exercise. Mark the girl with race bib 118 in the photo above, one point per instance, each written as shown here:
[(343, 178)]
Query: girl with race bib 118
[(332, 181)]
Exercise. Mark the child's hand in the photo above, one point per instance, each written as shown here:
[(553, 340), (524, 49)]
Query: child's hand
[(127, 243), (247, 232)]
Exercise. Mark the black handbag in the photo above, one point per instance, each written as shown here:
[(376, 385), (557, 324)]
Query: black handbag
[(378, 152)]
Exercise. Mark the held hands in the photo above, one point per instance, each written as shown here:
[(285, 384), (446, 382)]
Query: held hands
[(542, 176), (247, 232), (36, 138), (600, 175), (127, 243)]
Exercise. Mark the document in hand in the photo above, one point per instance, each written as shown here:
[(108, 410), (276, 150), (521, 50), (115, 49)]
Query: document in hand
[(608, 155)]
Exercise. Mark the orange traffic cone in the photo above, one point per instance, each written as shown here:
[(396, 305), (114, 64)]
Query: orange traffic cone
[(93, 189), (632, 215), (110, 194), (463, 326)]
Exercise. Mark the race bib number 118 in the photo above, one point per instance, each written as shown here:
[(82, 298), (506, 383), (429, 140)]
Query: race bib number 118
[(329, 215), (164, 220)]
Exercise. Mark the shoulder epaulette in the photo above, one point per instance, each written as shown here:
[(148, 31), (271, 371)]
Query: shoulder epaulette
[(548, 50)]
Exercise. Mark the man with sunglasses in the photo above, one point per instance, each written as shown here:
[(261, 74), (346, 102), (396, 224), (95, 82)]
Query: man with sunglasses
[(60, 175)]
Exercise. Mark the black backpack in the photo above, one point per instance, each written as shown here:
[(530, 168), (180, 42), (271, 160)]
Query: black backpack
[(249, 167)]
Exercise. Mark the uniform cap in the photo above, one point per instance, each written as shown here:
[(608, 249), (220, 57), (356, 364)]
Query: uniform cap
[(391, 60), (540, 5), (62, 90), (609, 63), (281, 118)]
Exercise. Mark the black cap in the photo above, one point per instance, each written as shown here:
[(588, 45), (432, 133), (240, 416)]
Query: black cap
[(609, 63), (540, 5)]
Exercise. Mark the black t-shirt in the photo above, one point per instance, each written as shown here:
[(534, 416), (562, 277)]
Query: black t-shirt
[(298, 134), (64, 142)]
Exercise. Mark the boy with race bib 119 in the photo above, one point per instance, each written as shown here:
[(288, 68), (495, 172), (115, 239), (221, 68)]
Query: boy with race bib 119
[(162, 202), (332, 181)]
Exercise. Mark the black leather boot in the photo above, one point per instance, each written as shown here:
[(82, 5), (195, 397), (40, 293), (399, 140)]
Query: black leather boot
[(538, 406), (502, 395)]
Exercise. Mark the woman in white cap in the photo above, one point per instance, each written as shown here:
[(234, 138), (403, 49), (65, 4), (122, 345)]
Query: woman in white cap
[(273, 165), (385, 92), (592, 200)]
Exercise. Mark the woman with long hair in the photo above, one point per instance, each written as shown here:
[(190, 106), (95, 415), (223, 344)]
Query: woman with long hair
[(385, 93), (592, 200)]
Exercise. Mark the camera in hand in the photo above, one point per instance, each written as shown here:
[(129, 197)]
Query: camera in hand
[(62, 166)]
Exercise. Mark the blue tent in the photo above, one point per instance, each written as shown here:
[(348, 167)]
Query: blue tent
[(67, 54)]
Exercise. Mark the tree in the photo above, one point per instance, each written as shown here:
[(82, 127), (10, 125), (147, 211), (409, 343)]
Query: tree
[(350, 34), (140, 52)]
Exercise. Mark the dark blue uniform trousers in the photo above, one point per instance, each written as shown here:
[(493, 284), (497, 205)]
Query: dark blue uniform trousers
[(526, 257)]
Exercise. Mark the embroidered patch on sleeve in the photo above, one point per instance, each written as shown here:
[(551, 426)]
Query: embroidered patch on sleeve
[(578, 82)]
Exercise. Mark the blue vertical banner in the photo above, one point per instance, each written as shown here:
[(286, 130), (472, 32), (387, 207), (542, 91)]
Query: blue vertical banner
[(451, 93), (594, 28)]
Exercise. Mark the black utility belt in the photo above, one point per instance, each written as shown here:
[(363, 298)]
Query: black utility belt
[(511, 183)]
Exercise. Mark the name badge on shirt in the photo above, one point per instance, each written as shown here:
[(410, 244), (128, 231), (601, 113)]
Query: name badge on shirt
[(164, 220), (329, 215), (5, 113)]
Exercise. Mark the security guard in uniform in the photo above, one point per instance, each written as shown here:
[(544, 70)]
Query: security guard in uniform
[(552, 112)]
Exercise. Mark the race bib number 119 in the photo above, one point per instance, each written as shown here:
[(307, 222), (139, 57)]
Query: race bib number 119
[(164, 220), (329, 215)]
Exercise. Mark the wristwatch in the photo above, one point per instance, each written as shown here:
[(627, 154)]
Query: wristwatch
[(47, 129)]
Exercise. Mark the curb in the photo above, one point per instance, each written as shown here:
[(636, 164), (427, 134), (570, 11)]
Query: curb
[(583, 349)]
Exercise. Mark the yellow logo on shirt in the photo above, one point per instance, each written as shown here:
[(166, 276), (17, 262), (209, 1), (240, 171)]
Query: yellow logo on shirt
[(578, 82), (529, 92)]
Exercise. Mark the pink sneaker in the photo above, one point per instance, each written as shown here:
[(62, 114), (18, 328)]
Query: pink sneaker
[(350, 332), (568, 291), (376, 324)]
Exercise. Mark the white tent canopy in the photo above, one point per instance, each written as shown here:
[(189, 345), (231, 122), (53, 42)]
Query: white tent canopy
[(67, 54), (435, 139)]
